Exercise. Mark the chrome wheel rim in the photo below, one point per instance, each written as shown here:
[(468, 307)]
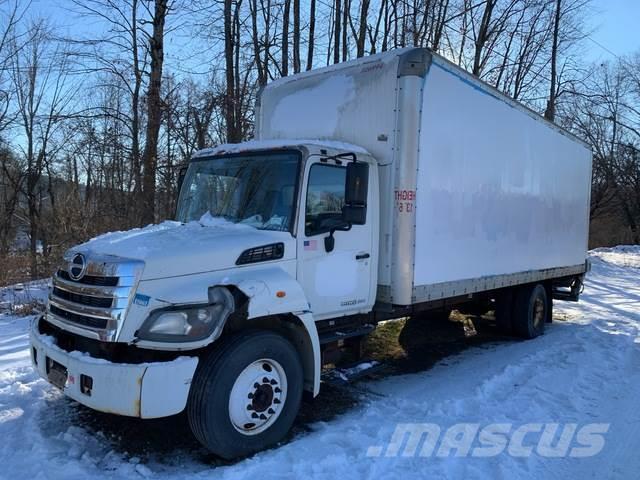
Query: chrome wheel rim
[(258, 396)]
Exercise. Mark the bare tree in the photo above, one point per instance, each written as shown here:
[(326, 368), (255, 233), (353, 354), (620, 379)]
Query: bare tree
[(360, 34), (154, 111), (296, 36), (550, 111), (232, 34), (568, 29), (10, 16), (337, 22), (40, 75), (260, 35), (312, 31), (284, 70), (120, 54)]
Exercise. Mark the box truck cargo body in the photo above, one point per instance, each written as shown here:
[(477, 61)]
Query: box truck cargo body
[(476, 191), (380, 188)]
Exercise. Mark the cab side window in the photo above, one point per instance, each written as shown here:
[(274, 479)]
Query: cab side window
[(325, 198)]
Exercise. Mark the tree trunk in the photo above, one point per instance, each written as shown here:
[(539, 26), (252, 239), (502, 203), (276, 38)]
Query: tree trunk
[(346, 12), (229, 109), (362, 33), (267, 38), (285, 38), (296, 36), (237, 99), (440, 25), (387, 27), (482, 37), (312, 28), (255, 36), (336, 32), (154, 112), (135, 105), (550, 112)]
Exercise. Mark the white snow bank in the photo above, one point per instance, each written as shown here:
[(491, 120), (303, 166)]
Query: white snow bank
[(14, 328), (21, 294), (622, 255)]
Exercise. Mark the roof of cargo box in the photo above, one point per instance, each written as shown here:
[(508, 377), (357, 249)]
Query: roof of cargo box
[(253, 145), (398, 63), (387, 58)]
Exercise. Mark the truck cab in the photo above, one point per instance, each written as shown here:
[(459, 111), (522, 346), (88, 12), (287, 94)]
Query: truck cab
[(268, 237), (300, 192)]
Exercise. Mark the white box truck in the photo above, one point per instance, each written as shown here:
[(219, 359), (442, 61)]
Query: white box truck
[(375, 189)]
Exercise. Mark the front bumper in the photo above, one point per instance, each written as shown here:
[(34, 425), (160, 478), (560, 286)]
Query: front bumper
[(145, 390)]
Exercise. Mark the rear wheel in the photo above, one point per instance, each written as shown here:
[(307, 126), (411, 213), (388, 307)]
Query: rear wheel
[(246, 394), (531, 311)]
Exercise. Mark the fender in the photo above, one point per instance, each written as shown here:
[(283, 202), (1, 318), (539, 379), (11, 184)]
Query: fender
[(271, 291), (278, 293), (312, 361)]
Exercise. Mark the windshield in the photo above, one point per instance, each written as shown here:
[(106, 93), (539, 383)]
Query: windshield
[(256, 190)]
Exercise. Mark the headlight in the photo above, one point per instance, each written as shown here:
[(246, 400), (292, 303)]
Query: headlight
[(189, 323)]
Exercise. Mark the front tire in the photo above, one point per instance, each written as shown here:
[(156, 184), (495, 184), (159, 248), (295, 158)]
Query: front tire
[(246, 394)]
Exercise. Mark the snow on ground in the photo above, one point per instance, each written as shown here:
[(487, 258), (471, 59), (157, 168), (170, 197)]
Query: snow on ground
[(584, 370), (14, 327)]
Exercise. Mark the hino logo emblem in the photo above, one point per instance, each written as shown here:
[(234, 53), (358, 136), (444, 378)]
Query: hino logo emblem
[(77, 266)]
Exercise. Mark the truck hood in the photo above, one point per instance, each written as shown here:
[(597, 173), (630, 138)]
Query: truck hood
[(171, 249)]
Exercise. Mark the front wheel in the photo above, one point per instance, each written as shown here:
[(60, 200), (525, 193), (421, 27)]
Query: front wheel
[(246, 394)]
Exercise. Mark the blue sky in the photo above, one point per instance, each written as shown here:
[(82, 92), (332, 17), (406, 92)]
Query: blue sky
[(615, 26)]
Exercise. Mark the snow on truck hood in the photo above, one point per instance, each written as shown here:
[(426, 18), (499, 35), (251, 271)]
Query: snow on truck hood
[(171, 248)]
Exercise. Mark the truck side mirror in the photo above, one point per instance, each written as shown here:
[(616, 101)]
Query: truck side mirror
[(182, 172), (354, 211)]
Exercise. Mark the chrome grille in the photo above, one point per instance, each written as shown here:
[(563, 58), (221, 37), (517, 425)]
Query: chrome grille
[(83, 320), (101, 302), (91, 280), (94, 305)]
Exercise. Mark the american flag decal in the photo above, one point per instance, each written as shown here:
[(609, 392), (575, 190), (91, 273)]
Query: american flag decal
[(310, 245)]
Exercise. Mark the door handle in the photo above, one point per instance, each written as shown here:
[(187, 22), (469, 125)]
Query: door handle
[(362, 256)]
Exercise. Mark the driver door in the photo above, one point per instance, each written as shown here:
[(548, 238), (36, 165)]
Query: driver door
[(338, 282)]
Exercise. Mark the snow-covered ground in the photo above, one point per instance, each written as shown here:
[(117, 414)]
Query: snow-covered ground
[(585, 370), (15, 302)]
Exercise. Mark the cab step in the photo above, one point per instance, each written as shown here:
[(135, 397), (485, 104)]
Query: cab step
[(337, 335)]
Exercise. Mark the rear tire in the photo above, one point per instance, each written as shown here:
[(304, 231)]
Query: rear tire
[(246, 394), (531, 311)]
